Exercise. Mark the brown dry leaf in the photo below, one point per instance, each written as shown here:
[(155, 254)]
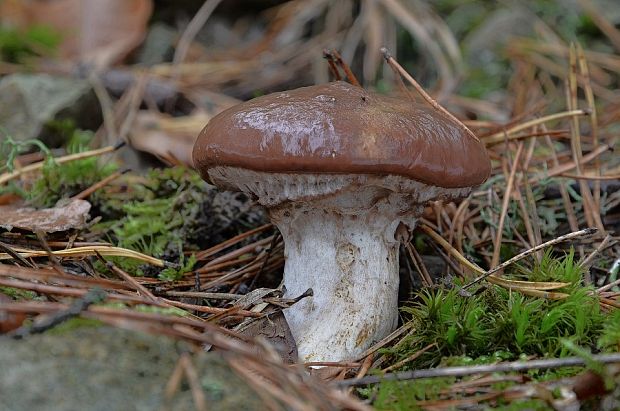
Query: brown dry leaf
[(65, 217), (169, 138), (9, 321), (275, 330), (98, 32)]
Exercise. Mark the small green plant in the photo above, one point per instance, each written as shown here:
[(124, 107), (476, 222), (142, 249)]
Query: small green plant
[(16, 46), (160, 219), (496, 320), (10, 149), (67, 179), (172, 274), (57, 180), (610, 336), (499, 319)]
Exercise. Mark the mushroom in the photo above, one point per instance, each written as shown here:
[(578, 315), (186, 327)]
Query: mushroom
[(340, 169)]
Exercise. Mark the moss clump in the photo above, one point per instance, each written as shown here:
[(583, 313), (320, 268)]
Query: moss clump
[(17, 46), (169, 214), (508, 324), (56, 180), (67, 179), (18, 294)]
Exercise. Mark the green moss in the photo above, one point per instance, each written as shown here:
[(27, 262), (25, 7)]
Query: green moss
[(610, 335), (186, 265), (18, 294), (508, 324), (74, 323), (406, 395), (67, 179), (16, 46), (56, 180)]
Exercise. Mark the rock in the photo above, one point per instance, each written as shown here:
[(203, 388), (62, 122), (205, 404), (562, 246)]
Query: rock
[(102, 368), (28, 101)]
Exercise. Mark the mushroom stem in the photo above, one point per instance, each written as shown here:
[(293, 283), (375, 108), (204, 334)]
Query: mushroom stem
[(351, 263)]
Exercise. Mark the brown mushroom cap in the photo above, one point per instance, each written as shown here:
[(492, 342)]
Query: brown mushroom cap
[(342, 129)]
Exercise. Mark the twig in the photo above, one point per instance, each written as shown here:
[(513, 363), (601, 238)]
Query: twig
[(333, 55), (230, 242), (412, 357), (16, 256), (581, 233), (590, 177), (500, 135), (427, 281), (6, 177), (547, 364), (78, 306), (91, 250), (202, 294), (129, 279), (192, 29), (198, 395), (392, 62), (497, 243), (268, 253), (332, 67), (90, 190), (174, 382), (586, 262)]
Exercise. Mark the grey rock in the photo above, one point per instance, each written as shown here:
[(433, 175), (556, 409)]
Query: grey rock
[(28, 101), (102, 368)]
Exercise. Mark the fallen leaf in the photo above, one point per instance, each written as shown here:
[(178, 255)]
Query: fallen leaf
[(28, 101), (169, 138), (274, 328), (9, 321), (63, 217), (98, 32)]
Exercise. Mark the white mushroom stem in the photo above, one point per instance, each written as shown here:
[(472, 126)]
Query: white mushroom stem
[(339, 240), (351, 264)]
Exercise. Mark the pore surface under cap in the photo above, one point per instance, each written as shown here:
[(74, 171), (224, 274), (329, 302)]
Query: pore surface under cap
[(340, 128)]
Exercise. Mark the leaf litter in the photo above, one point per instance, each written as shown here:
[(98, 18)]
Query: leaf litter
[(554, 173)]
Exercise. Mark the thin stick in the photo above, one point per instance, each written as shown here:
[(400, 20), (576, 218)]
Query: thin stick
[(548, 364), (231, 241), (587, 88), (174, 382), (586, 262), (198, 395), (129, 279), (522, 286), (500, 135), (192, 29), (335, 56), (412, 357), (332, 67), (562, 168), (592, 215), (394, 64), (419, 265), (581, 233), (7, 249), (609, 286), (502, 218), (268, 253), (86, 251), (590, 177), (203, 294), (90, 190), (6, 177), (76, 308)]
